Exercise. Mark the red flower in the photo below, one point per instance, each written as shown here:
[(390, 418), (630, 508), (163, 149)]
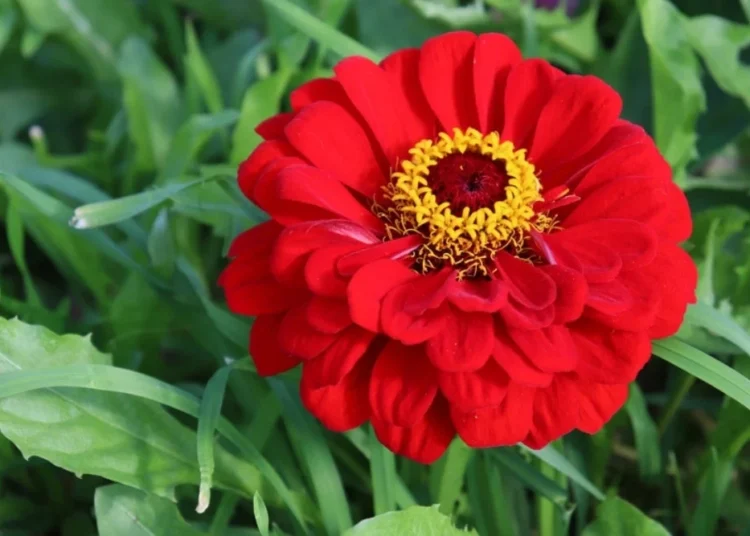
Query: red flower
[(461, 242)]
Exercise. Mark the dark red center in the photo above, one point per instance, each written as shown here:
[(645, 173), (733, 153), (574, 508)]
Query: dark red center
[(468, 180)]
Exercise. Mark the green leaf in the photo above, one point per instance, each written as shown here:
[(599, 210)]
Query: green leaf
[(719, 42), (383, 471), (313, 451), (8, 19), (645, 432), (125, 439), (200, 73), (712, 492), (705, 368), (447, 476), (124, 511), (261, 514), (152, 103), (616, 517), (82, 24), (675, 73), (414, 521), (720, 324), (161, 246), (213, 398), (116, 210), (190, 139), (261, 101), (313, 27), (531, 477), (387, 25), (556, 459)]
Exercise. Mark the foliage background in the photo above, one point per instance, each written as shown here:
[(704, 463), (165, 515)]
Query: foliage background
[(122, 125)]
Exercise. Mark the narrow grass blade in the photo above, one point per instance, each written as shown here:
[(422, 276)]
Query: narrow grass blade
[(645, 432), (318, 30), (447, 476), (531, 476), (702, 314), (261, 514), (705, 368), (383, 471), (210, 411), (557, 460)]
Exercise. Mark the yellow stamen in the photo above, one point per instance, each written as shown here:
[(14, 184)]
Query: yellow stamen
[(468, 239)]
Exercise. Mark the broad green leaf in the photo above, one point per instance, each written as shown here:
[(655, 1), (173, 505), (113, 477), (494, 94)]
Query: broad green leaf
[(124, 511), (313, 27), (414, 521), (152, 102), (675, 73), (453, 16), (579, 38), (110, 380), (719, 42), (705, 368), (261, 101), (645, 432), (616, 517), (125, 439)]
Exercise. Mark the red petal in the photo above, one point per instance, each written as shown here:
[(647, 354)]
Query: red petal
[(273, 127), (497, 426), (245, 270), (642, 303), (494, 55), (580, 111), (380, 100), (572, 291), (401, 324), (404, 66), (250, 170), (519, 316), (305, 193), (340, 358), (550, 349), (403, 385), (297, 241), (597, 404), (528, 89), (633, 242), (390, 249), (298, 338), (424, 442), (463, 344), (262, 297), (343, 406), (333, 140), (369, 286), (265, 351), (529, 285), (609, 356), (328, 315), (257, 240), (446, 76), (468, 391), (316, 90), (677, 277), (555, 412), (321, 275), (610, 298), (519, 369), (577, 251), (471, 295)]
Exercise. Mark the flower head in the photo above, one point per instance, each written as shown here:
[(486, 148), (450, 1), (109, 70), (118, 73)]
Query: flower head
[(461, 242)]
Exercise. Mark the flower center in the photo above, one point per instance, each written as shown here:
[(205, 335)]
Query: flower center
[(469, 195)]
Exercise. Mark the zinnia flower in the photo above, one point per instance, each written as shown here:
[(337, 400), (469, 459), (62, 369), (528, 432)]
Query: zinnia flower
[(460, 242)]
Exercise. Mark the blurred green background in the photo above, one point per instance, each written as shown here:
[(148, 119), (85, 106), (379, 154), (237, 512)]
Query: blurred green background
[(121, 126)]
